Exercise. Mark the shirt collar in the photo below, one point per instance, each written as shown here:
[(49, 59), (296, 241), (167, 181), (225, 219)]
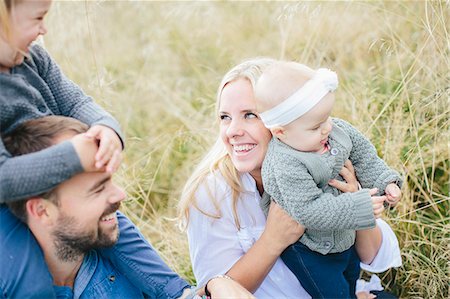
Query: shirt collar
[(85, 273), (248, 182)]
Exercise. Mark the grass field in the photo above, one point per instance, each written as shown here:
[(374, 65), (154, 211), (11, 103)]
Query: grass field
[(156, 67)]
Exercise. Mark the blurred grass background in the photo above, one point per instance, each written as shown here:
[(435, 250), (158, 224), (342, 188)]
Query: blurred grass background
[(156, 67)]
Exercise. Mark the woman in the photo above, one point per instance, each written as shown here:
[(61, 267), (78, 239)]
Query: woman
[(227, 230)]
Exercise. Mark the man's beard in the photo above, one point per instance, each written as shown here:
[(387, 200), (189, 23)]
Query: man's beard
[(71, 244)]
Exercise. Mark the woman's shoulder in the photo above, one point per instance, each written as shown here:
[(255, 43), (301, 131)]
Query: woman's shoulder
[(213, 191), (216, 182)]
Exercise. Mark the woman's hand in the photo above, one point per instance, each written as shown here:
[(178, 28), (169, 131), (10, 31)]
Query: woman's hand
[(281, 230), (348, 174), (227, 288)]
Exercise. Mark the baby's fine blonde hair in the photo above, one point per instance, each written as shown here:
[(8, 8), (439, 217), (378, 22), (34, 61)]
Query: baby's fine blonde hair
[(279, 81)]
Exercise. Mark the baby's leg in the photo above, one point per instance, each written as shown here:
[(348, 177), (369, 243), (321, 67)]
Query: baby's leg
[(137, 259), (353, 270), (320, 275), (23, 271)]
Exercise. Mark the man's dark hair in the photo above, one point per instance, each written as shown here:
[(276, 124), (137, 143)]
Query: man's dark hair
[(35, 135)]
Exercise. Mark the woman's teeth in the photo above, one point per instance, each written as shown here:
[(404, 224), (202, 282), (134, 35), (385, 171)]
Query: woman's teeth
[(243, 147)]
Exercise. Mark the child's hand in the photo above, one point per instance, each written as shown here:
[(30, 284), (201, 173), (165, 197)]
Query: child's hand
[(86, 148), (377, 203), (393, 194), (110, 148)]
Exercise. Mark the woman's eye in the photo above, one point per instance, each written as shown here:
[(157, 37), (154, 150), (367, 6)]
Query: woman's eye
[(224, 117), (250, 115)]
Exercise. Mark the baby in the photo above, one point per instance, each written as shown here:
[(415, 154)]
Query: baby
[(308, 149)]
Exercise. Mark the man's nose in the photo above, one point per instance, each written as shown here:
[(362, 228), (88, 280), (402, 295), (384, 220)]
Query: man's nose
[(118, 195)]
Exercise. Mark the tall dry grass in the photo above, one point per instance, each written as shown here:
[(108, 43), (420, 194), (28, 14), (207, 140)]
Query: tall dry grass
[(156, 67)]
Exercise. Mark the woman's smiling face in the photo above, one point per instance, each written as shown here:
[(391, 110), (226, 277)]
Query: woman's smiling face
[(243, 133)]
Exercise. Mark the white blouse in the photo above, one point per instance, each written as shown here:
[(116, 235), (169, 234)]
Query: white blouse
[(216, 244)]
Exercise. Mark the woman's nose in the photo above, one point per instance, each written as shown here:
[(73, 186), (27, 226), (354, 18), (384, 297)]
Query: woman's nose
[(235, 129)]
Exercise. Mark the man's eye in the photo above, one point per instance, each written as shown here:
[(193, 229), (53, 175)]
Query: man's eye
[(250, 115), (100, 189)]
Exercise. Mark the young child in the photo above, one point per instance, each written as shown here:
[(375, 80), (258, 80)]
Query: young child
[(32, 86), (308, 150)]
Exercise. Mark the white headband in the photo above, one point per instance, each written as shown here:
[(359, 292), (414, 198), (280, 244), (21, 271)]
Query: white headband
[(303, 100)]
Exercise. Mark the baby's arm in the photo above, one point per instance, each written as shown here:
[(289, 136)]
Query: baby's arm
[(371, 170), (393, 194), (296, 191)]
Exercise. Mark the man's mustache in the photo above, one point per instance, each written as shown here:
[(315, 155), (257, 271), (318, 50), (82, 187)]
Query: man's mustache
[(111, 208)]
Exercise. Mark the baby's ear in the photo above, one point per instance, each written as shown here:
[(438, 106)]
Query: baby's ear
[(278, 132)]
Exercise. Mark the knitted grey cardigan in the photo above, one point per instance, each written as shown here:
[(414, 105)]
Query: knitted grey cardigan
[(34, 89), (298, 181)]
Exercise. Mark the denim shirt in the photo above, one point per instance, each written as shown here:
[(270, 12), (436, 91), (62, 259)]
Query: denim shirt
[(24, 273), (98, 278)]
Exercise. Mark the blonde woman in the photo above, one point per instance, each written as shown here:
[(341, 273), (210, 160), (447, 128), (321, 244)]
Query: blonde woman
[(227, 230)]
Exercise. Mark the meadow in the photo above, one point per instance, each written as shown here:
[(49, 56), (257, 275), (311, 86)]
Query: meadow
[(156, 67)]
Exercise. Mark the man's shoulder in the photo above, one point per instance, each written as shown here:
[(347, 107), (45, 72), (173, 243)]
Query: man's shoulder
[(99, 278)]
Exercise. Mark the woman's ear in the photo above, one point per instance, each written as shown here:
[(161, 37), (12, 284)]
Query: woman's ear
[(40, 210), (279, 132)]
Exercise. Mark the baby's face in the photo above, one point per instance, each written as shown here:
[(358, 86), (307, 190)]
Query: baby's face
[(309, 133)]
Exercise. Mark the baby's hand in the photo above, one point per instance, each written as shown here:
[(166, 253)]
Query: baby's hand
[(109, 150), (393, 194), (377, 203)]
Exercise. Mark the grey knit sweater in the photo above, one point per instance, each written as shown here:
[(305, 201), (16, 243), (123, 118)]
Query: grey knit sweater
[(34, 89), (298, 181)]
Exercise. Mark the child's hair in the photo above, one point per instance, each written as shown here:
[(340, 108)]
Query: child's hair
[(35, 135), (5, 24), (279, 81)]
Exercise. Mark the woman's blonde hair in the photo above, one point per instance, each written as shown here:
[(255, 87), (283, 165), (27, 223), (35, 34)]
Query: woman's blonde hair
[(217, 159), (5, 24)]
